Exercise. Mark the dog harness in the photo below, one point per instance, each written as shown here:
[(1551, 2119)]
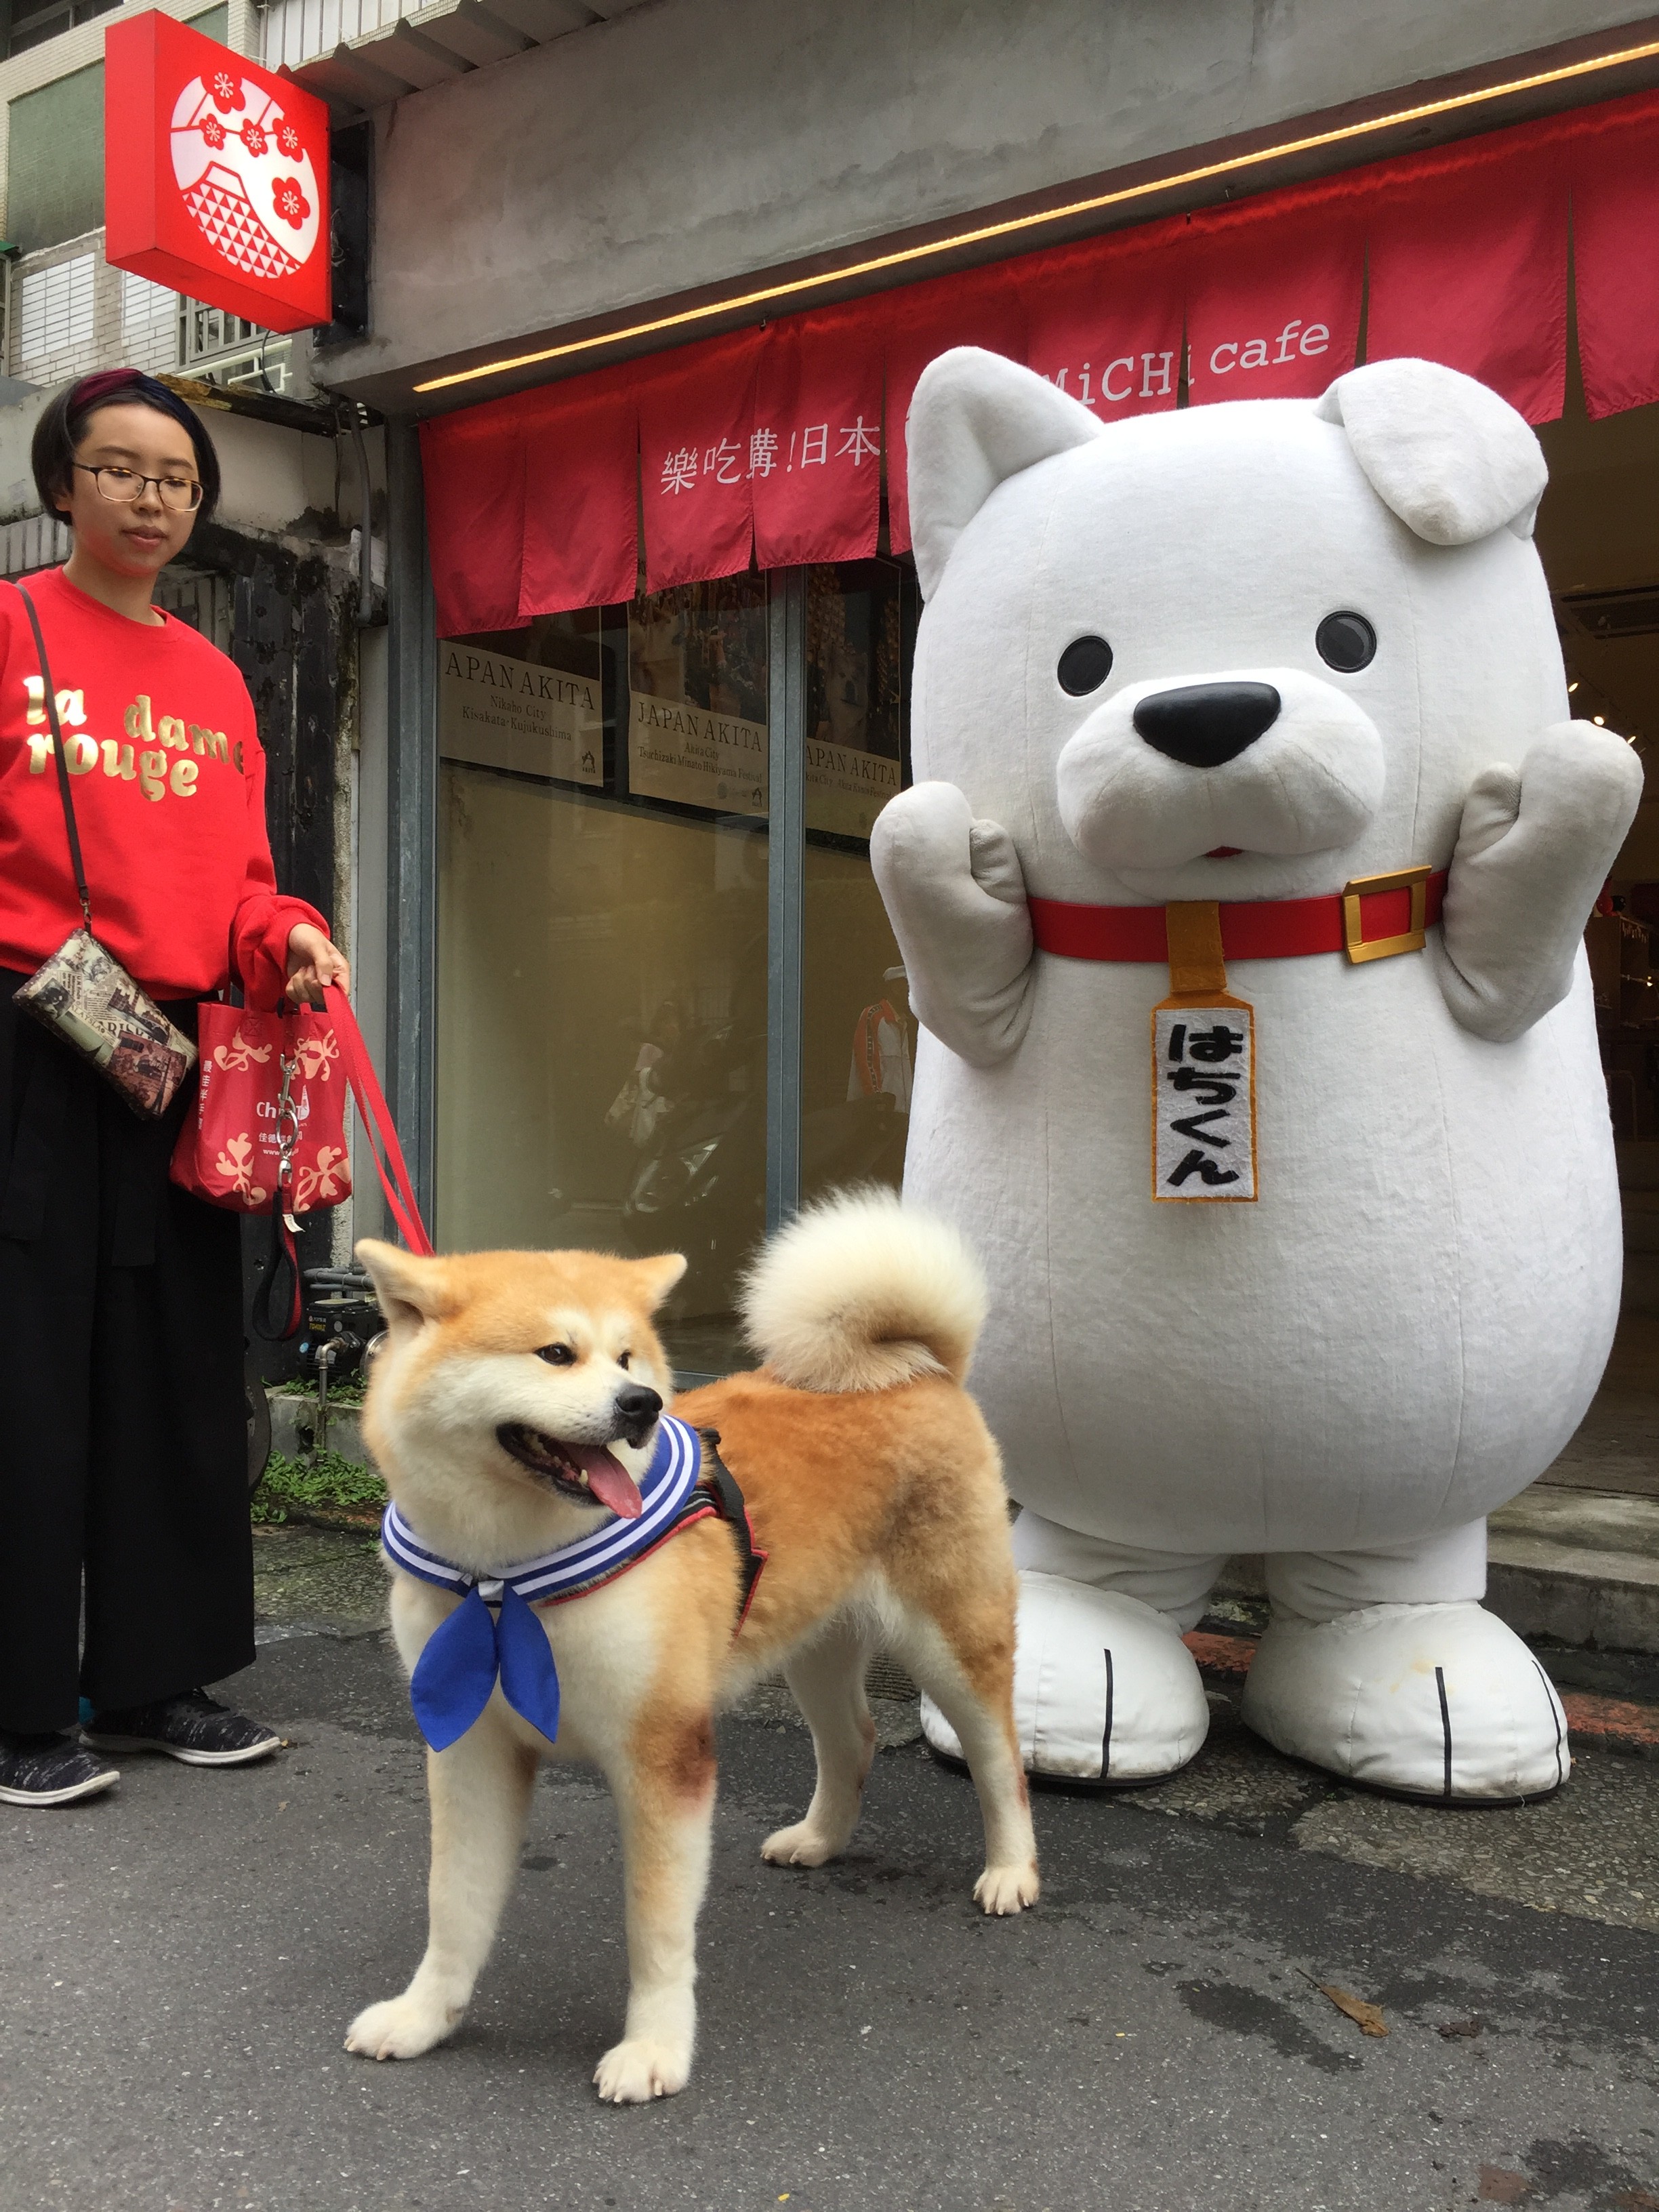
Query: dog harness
[(494, 1634), (1204, 1040)]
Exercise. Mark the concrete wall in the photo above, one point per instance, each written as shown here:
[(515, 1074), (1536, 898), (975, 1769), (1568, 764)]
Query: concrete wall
[(695, 140), (273, 477), (17, 493)]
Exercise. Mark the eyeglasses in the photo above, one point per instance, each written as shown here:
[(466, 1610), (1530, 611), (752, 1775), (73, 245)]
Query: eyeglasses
[(122, 487)]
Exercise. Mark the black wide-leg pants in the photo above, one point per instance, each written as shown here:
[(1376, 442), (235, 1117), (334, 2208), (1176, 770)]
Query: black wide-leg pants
[(123, 1425)]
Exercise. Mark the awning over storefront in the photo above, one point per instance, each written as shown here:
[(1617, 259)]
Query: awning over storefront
[(772, 438)]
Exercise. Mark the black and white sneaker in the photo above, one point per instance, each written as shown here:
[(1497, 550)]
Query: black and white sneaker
[(50, 1770), (191, 1726)]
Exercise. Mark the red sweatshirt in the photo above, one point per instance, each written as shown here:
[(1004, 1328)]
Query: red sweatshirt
[(168, 781)]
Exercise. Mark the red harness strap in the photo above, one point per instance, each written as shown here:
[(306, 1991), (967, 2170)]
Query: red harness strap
[(1260, 929)]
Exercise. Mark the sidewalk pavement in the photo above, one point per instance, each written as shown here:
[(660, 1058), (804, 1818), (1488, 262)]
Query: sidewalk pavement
[(180, 1960)]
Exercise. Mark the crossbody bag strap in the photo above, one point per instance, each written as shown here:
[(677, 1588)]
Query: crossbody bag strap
[(61, 759)]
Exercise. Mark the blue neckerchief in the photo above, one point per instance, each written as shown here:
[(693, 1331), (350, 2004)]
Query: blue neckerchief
[(494, 1632)]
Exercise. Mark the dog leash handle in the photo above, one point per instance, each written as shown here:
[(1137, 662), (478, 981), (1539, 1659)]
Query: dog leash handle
[(378, 1124)]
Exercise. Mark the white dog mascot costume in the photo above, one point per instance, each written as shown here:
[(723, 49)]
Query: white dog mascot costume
[(1180, 682)]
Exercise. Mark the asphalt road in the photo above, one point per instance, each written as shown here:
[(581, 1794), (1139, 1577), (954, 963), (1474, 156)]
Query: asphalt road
[(178, 1962)]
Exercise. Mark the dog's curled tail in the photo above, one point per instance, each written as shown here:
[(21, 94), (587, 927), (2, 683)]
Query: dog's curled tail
[(861, 1293)]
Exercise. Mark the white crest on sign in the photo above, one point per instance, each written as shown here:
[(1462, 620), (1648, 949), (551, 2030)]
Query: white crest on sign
[(245, 170)]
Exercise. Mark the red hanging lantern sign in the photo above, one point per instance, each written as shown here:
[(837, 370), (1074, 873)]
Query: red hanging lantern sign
[(215, 175)]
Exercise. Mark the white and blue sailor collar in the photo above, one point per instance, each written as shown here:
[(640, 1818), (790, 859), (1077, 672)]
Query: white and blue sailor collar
[(494, 1634), (675, 1465)]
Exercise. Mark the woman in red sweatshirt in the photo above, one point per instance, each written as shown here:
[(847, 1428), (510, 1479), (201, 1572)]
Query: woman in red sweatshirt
[(123, 1427)]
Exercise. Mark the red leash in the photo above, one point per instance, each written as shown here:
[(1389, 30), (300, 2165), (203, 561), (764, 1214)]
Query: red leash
[(378, 1124)]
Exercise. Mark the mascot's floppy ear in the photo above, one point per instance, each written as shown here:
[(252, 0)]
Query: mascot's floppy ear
[(976, 420), (1453, 460)]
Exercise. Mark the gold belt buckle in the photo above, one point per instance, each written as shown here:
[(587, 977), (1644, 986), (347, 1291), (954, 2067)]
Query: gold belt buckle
[(1416, 881)]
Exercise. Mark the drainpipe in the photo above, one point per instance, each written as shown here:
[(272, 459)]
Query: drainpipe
[(352, 421), (9, 254)]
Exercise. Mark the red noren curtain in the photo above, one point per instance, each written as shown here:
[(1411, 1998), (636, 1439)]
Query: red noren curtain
[(776, 440), (1613, 169), (580, 445), (1468, 266), (1272, 308)]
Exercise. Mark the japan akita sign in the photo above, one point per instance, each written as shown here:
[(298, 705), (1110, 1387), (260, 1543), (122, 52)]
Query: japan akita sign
[(215, 175)]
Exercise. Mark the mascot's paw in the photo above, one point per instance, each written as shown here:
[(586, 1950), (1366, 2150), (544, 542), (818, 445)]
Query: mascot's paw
[(1438, 1701), (1104, 1689)]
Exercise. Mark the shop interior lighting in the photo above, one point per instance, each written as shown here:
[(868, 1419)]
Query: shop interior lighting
[(904, 256)]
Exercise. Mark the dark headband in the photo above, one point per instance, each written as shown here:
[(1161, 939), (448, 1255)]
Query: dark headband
[(111, 386)]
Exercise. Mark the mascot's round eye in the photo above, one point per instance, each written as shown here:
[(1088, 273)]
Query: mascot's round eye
[(1084, 666), (1346, 641), (557, 1355)]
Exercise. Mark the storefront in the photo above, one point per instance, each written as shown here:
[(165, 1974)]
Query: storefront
[(674, 609)]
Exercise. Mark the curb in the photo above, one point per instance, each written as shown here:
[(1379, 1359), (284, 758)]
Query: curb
[(1580, 1567), (293, 1423), (1597, 1723)]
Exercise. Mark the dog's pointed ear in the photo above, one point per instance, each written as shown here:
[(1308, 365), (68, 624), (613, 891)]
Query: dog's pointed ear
[(411, 1289), (976, 420), (1453, 460), (659, 1275)]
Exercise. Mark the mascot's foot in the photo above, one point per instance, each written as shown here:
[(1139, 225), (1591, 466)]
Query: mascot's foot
[(1435, 1701), (1104, 1689)]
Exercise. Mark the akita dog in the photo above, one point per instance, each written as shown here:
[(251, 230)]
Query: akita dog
[(520, 1415)]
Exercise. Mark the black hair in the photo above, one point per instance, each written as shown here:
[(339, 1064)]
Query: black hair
[(64, 419)]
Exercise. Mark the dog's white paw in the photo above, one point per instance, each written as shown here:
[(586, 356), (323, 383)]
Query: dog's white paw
[(400, 2027), (635, 2072), (801, 1846), (1008, 1888)]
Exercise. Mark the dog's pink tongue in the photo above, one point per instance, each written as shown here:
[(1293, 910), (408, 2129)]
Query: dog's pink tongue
[(611, 1483)]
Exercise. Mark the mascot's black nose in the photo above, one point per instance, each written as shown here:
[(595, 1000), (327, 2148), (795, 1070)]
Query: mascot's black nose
[(636, 1409), (1204, 724)]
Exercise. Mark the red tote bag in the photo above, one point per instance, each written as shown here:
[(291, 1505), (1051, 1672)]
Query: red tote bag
[(269, 1132), (269, 1128)]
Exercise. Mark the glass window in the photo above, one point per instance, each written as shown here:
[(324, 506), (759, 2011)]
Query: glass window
[(603, 917), (857, 1036), (602, 940), (54, 149)]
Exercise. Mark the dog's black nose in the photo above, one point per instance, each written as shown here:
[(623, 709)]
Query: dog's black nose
[(1204, 724), (636, 1409)]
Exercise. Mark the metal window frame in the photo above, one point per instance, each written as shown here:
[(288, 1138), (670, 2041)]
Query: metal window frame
[(411, 953), (786, 883)]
